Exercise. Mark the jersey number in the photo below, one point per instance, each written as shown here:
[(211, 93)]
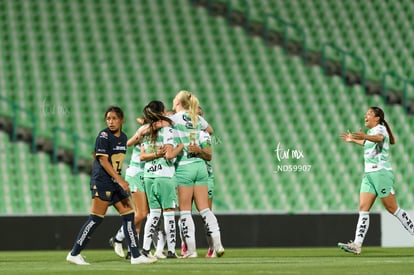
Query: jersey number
[(117, 160)]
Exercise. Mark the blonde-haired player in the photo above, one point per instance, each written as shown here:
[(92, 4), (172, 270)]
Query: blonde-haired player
[(191, 173)]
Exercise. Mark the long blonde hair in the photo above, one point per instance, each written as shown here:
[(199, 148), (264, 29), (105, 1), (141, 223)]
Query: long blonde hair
[(190, 103)]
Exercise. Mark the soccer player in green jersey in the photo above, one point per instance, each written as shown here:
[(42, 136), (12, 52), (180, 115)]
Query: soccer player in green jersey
[(378, 180), (159, 151), (204, 149), (191, 173)]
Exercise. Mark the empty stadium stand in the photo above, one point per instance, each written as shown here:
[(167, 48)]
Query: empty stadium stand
[(66, 61)]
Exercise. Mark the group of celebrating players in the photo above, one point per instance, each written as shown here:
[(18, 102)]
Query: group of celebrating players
[(169, 169)]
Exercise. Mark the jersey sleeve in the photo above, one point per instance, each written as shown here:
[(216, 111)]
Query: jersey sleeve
[(379, 130), (168, 137), (203, 123), (102, 144), (383, 131), (205, 140)]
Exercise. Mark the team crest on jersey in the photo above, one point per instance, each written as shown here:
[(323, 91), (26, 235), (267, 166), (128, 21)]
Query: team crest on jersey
[(104, 135), (188, 122)]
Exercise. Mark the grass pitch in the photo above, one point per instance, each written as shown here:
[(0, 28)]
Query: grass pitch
[(332, 261)]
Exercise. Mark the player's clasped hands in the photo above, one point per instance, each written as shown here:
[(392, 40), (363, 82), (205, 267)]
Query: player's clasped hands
[(194, 148), (161, 151)]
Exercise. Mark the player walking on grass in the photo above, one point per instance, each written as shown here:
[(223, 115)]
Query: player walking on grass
[(135, 177), (191, 173), (109, 188), (378, 180), (159, 152)]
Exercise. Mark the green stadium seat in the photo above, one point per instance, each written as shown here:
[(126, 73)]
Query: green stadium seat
[(96, 54)]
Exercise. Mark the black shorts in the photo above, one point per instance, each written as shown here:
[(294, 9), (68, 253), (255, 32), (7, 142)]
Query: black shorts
[(113, 195)]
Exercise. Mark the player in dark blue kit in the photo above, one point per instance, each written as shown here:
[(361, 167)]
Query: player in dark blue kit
[(108, 188)]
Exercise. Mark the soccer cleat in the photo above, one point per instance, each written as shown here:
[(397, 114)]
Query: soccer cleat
[(148, 254), (128, 255), (189, 254), (143, 260), (172, 255), (211, 253), (219, 250), (78, 259), (159, 255), (350, 247), (117, 245), (183, 249)]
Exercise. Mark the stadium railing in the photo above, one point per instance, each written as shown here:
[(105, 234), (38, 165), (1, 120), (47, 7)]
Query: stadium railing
[(343, 56), (286, 26), (17, 111), (242, 16), (71, 155), (397, 80)]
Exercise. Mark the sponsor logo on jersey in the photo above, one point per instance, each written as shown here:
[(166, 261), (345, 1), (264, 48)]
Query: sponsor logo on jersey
[(188, 122), (104, 135)]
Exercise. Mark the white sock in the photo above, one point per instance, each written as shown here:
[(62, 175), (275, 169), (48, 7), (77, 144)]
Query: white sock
[(362, 227), (159, 231), (212, 226), (160, 240), (120, 235), (170, 230), (405, 220), (188, 230), (180, 231), (208, 238), (150, 227)]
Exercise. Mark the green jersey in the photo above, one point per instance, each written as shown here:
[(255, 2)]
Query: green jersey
[(205, 142), (187, 133), (376, 155), (159, 167), (135, 164)]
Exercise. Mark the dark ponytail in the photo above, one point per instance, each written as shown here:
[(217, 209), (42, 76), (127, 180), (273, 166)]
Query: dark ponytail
[(152, 114), (380, 113)]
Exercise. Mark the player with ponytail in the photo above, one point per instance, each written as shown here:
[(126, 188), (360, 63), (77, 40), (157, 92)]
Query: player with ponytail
[(378, 180), (191, 173)]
